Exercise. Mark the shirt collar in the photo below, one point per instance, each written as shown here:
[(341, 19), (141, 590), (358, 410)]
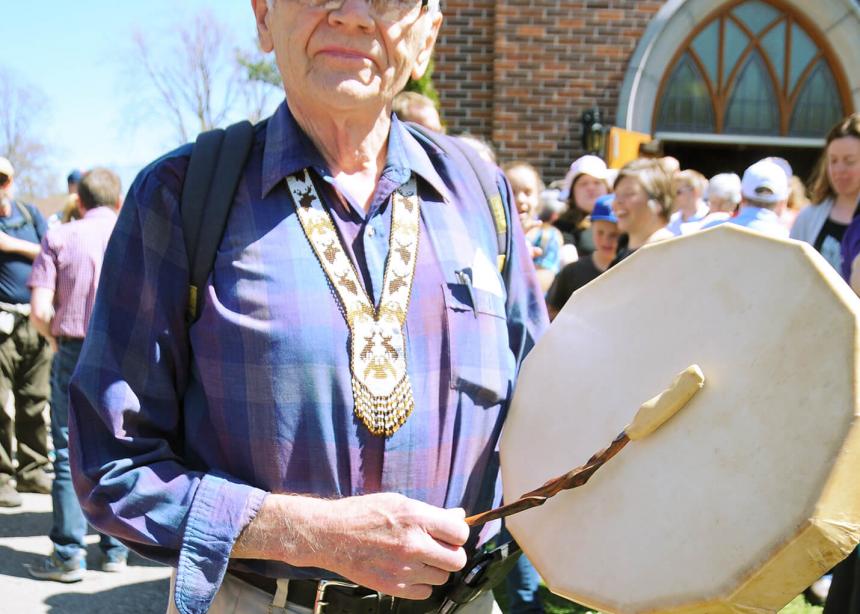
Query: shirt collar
[(102, 211), (289, 150), (757, 213)]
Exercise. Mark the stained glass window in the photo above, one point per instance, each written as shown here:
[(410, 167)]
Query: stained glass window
[(687, 108), (818, 107), (751, 69), (752, 106)]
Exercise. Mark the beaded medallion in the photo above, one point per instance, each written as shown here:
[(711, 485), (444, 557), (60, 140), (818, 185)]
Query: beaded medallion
[(380, 383)]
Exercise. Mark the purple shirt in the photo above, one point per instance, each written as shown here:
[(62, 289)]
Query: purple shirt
[(70, 263), (850, 246), (263, 399)]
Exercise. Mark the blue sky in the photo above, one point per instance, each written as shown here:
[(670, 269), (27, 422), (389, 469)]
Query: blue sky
[(76, 55)]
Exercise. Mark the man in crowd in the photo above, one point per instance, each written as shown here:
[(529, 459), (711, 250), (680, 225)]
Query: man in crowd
[(334, 411), (63, 283), (25, 356), (764, 192)]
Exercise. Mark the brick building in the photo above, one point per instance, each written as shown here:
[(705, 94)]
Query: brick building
[(719, 82)]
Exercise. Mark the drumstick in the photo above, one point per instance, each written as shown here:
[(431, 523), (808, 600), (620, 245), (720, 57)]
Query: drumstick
[(651, 415)]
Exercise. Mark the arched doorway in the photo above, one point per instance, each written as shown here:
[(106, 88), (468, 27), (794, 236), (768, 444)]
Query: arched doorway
[(750, 78), (759, 75)]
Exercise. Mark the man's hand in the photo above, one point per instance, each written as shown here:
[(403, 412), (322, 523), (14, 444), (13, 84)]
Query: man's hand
[(386, 542), (42, 313), (395, 545)]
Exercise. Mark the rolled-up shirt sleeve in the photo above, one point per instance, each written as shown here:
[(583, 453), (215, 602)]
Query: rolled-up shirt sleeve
[(125, 425), (44, 272)]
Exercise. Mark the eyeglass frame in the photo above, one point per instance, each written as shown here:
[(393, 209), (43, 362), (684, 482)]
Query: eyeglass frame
[(424, 4)]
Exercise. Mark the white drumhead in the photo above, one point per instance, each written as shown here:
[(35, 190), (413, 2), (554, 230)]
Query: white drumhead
[(700, 509)]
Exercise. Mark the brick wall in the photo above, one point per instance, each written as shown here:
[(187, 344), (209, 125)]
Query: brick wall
[(521, 72)]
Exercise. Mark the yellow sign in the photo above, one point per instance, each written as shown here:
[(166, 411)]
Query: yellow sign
[(623, 146)]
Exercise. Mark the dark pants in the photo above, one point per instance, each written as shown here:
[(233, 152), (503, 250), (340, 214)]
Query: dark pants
[(25, 370), (522, 584), (70, 526), (844, 595)]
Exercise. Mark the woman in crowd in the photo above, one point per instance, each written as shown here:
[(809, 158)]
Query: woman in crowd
[(584, 184), (835, 190), (690, 206), (604, 228), (643, 202)]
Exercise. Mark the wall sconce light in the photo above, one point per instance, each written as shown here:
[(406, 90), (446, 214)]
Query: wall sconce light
[(593, 132)]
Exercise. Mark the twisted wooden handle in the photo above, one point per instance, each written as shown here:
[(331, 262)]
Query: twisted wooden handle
[(651, 415)]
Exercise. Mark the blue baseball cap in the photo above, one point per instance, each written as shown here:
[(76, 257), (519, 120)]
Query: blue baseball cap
[(75, 176), (603, 209)]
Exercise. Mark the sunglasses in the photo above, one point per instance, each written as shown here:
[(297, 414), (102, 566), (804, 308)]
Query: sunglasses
[(387, 10), (4, 179)]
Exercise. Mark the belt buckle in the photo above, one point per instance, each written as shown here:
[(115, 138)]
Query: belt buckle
[(319, 602)]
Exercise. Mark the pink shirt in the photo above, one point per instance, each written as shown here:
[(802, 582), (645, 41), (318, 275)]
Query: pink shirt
[(70, 264)]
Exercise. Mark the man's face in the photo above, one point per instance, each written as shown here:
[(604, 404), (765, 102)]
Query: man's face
[(348, 57)]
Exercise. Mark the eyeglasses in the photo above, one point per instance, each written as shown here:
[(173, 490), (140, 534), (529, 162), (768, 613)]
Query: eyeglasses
[(386, 10), (3, 179)]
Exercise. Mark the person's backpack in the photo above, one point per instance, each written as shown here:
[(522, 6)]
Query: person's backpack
[(217, 161)]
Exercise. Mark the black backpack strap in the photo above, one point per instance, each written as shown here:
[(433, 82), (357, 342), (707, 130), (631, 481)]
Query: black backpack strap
[(486, 175), (217, 161)]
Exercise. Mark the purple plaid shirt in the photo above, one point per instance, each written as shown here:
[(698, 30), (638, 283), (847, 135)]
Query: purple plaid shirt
[(173, 450)]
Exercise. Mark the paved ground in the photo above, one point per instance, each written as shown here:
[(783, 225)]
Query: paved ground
[(142, 589)]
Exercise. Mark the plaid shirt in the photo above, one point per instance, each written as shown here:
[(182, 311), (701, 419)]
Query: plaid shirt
[(70, 263), (173, 451)]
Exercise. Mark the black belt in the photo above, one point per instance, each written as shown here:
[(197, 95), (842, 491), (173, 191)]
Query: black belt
[(484, 571), (336, 597)]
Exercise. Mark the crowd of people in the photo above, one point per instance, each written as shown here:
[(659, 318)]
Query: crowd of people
[(608, 214), (598, 216), (49, 272), (333, 408)]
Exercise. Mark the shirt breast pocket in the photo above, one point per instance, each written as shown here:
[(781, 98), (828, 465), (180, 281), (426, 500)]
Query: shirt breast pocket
[(481, 363)]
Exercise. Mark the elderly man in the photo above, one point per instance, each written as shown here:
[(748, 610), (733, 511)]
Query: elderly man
[(334, 411), (25, 356), (764, 192), (63, 282)]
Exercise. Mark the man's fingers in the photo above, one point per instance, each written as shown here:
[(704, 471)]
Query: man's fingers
[(418, 592), (431, 575), (447, 526), (446, 557)]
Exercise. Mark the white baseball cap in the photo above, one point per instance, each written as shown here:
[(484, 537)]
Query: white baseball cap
[(765, 181), (584, 165), (6, 167)]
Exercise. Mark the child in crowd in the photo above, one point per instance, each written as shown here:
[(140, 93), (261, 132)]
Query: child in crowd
[(536, 218), (604, 228)]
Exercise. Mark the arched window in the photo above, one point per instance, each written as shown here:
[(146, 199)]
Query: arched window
[(751, 69)]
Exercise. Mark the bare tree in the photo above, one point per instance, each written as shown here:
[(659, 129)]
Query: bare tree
[(195, 79), (261, 82), (21, 108)]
